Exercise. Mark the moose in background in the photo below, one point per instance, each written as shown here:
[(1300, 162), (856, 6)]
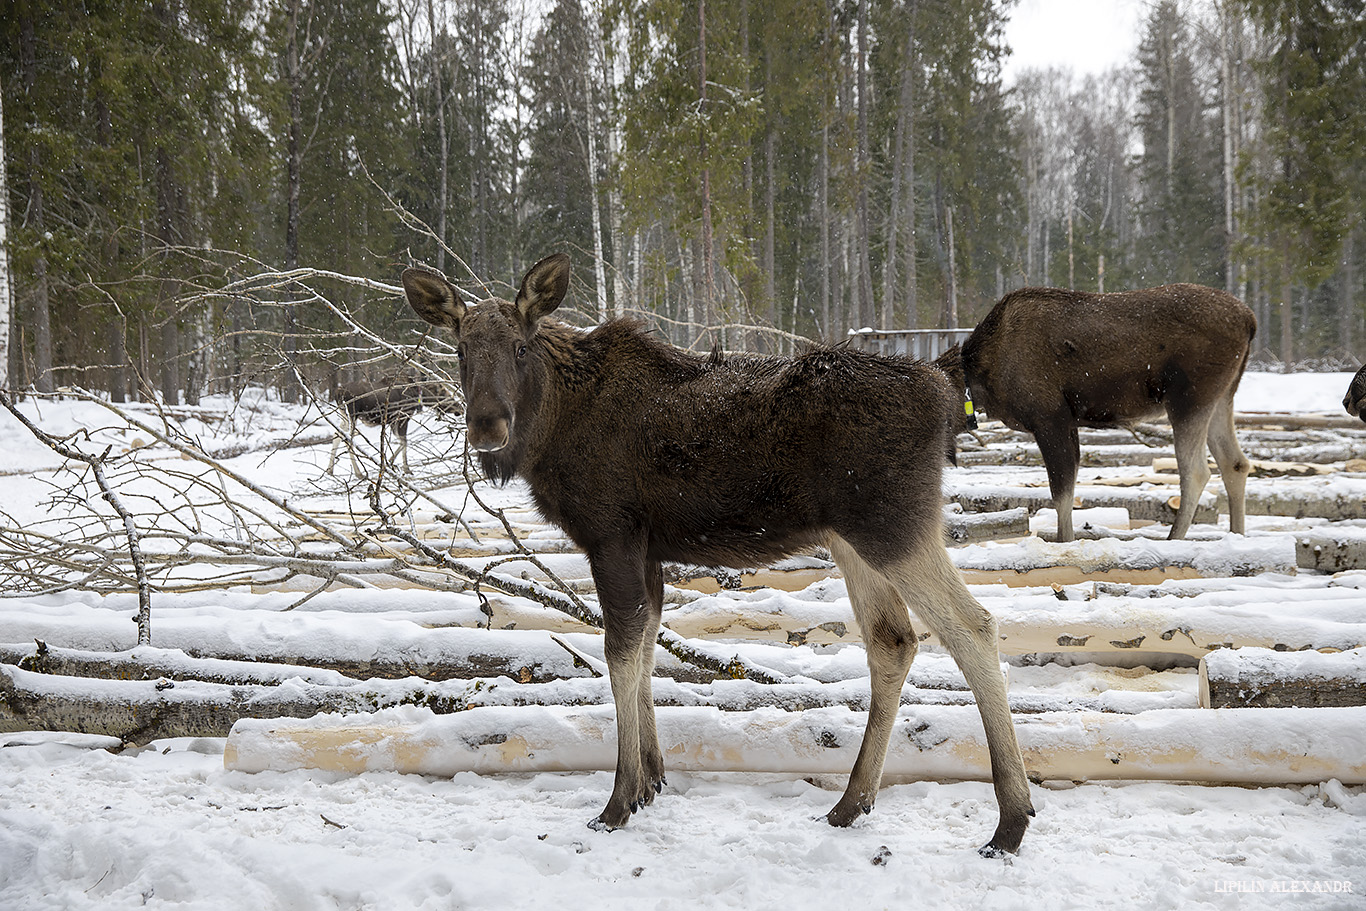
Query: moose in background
[(1047, 361), (390, 404)]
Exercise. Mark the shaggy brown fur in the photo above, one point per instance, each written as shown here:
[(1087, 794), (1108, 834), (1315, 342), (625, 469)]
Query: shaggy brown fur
[(644, 453)]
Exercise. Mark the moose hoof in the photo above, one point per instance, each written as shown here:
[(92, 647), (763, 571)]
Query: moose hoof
[(599, 825), (843, 816), (1007, 838)]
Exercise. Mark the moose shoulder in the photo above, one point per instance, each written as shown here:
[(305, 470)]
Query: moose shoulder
[(643, 453), (1047, 361)]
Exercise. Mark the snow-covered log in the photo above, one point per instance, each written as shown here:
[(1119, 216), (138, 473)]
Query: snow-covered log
[(1288, 421), (1332, 549), (972, 527), (1269, 746), (361, 647), (1152, 505), (1259, 677), (1029, 621)]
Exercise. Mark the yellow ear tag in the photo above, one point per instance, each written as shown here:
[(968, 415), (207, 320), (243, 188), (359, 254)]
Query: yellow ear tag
[(967, 407)]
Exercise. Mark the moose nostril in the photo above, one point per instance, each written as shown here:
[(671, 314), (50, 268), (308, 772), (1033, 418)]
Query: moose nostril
[(488, 433)]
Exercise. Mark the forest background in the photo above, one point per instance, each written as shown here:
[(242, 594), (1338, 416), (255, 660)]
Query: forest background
[(201, 194)]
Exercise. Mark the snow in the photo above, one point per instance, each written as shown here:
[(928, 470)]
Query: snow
[(170, 825)]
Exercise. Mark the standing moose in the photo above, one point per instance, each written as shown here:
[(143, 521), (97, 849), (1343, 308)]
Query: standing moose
[(390, 403), (644, 453), (1048, 360)]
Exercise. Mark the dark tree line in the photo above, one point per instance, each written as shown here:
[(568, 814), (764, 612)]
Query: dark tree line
[(793, 166)]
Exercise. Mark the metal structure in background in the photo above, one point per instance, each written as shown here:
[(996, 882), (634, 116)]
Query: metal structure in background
[(924, 344)]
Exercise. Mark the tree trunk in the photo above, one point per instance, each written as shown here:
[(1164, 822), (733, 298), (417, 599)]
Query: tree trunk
[(118, 358), (167, 208), (1228, 101), (42, 311), (899, 145), (443, 167), (707, 302), (293, 177), (823, 214), (909, 268), (953, 270), (614, 207), (863, 261), (770, 223), (595, 198), (5, 291), (1287, 311)]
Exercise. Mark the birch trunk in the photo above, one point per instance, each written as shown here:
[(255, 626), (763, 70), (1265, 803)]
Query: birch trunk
[(599, 270)]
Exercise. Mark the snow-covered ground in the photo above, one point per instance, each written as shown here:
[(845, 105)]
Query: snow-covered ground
[(168, 825)]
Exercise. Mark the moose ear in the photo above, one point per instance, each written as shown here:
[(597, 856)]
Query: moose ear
[(543, 288), (433, 298)]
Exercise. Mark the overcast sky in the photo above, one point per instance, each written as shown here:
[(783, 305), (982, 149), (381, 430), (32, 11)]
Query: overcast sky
[(1087, 35)]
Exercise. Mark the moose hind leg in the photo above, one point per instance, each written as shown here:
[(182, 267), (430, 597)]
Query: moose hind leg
[(1233, 465), (930, 583), (1190, 429), (891, 644)]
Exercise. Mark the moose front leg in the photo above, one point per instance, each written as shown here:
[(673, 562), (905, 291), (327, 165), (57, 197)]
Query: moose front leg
[(631, 612), (1061, 451)]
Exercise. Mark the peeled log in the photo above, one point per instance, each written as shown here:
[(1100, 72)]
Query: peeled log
[(1265, 746), (1044, 625), (1259, 677)]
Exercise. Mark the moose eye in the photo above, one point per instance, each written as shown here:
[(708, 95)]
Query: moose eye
[(521, 350)]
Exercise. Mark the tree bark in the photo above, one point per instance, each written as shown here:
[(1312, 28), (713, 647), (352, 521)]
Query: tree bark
[(5, 290), (900, 142), (1262, 678), (167, 206), (41, 306), (443, 164), (863, 261), (293, 179), (706, 257), (595, 198)]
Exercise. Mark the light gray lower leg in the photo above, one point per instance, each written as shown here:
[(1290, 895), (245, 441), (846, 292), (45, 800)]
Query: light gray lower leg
[(623, 669), (891, 645), (1233, 465), (932, 586), (1189, 433)]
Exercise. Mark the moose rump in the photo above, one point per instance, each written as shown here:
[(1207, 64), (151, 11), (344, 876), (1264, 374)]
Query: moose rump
[(1047, 361), (644, 453)]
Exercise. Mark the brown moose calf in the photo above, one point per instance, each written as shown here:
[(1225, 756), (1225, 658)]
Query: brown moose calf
[(1047, 361), (644, 453)]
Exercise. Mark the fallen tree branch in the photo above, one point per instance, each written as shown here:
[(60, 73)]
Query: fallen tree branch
[(96, 465)]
